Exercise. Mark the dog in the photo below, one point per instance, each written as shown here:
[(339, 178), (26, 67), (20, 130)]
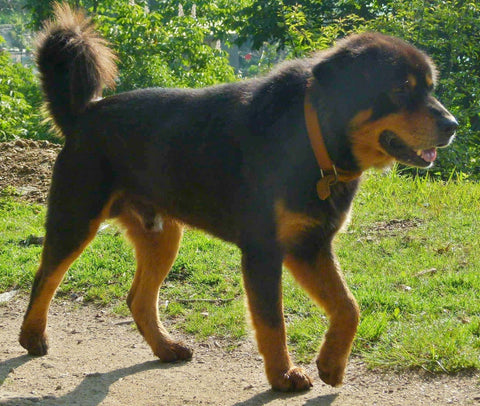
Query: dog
[(271, 164)]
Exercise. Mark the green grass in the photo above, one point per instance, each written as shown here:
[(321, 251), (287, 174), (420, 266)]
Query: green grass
[(400, 227)]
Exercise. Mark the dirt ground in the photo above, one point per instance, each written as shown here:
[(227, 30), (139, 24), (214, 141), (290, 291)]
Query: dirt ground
[(26, 165), (97, 358)]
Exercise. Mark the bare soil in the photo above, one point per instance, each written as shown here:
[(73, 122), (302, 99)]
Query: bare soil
[(98, 358), (26, 166)]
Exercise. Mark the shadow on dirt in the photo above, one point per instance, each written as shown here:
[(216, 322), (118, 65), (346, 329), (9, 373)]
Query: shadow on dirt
[(269, 395), (6, 367), (92, 390), (95, 387)]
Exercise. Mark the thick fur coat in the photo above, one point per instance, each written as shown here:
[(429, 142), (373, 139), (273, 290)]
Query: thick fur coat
[(234, 160)]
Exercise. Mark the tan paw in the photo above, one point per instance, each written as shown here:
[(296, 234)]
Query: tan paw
[(35, 343), (173, 352), (330, 372), (294, 380)]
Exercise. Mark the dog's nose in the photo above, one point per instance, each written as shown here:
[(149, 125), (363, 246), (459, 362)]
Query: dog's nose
[(448, 125)]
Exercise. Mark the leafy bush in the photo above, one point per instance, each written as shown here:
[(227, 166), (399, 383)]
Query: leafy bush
[(162, 50), (20, 101)]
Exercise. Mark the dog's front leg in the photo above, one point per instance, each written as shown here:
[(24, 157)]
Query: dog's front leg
[(323, 280), (262, 270)]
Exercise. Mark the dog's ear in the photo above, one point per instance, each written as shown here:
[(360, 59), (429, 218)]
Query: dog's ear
[(347, 67), (352, 77), (332, 66)]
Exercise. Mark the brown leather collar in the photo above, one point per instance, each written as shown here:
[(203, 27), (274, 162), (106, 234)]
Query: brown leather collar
[(330, 174)]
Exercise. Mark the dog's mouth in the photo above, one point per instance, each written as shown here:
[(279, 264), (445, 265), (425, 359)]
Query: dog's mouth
[(398, 149)]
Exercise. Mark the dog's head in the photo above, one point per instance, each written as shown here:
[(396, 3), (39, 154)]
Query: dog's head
[(380, 90)]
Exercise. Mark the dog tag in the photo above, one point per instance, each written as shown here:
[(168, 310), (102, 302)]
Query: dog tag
[(323, 186)]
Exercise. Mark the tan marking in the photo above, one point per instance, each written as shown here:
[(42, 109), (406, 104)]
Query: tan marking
[(272, 341), (290, 225), (361, 118), (155, 252), (272, 344), (412, 81), (417, 129), (35, 320), (325, 284)]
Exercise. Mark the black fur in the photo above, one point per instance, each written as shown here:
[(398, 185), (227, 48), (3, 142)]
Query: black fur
[(225, 158)]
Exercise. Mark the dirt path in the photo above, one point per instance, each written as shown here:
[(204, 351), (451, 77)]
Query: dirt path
[(99, 359)]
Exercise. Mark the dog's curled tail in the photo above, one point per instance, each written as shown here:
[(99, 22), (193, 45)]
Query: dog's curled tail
[(75, 65)]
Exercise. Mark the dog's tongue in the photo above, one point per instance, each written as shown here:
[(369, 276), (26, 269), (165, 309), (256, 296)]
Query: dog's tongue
[(429, 155)]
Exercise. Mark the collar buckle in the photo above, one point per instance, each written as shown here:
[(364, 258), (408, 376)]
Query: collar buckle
[(335, 174)]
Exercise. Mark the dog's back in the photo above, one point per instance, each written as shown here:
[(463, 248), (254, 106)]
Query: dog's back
[(197, 154)]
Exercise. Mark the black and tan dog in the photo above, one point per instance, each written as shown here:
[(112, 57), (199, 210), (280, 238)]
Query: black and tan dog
[(270, 164)]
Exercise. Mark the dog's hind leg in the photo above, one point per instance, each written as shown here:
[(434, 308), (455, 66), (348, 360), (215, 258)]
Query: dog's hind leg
[(155, 251), (77, 206), (262, 269), (324, 282)]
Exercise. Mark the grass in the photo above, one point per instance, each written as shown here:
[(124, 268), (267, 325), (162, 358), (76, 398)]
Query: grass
[(410, 255)]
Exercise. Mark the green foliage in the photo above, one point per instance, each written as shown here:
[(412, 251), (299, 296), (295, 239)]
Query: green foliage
[(10, 11), (156, 45), (41, 10), (155, 50), (298, 26), (20, 100), (13, 13)]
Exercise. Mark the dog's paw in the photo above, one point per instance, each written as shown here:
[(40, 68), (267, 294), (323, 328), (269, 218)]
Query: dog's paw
[(173, 352), (36, 344), (331, 373), (294, 380)]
